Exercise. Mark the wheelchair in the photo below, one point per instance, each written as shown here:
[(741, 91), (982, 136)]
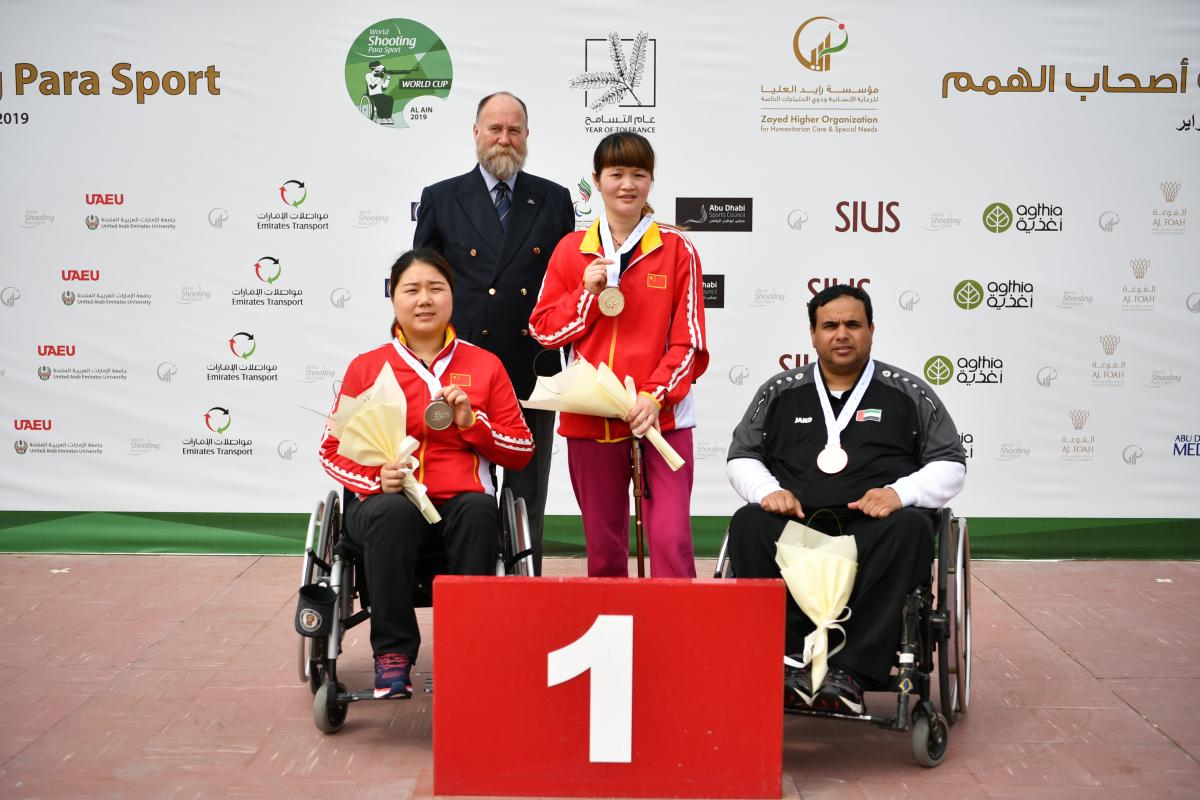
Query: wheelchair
[(935, 624), (333, 570), (366, 107)]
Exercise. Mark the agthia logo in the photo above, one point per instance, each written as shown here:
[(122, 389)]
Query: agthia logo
[(242, 344), (293, 193), (218, 419)]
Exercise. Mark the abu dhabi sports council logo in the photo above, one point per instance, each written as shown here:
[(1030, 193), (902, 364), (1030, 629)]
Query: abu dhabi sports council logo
[(166, 371), (908, 300), (1046, 376), (217, 217), (1131, 454), (631, 78), (968, 294), (939, 370), (242, 345), (1108, 220), (218, 419), (293, 193), (339, 297), (286, 449), (716, 213), (391, 64), (997, 217), (9, 296), (816, 40), (268, 269)]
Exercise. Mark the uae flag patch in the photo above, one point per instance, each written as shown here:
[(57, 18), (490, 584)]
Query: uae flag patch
[(868, 415)]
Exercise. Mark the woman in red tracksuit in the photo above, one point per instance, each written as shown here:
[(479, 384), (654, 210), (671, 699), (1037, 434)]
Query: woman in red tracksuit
[(627, 292), (454, 464)]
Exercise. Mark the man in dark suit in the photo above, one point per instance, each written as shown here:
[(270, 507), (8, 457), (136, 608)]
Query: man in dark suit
[(497, 226)]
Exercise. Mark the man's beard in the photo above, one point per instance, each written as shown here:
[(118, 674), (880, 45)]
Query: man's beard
[(503, 162)]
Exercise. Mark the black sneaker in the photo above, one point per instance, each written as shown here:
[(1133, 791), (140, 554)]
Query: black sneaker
[(797, 683), (841, 693)]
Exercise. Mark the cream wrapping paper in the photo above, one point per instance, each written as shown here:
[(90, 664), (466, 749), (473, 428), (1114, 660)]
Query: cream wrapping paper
[(371, 431), (819, 571), (595, 391)]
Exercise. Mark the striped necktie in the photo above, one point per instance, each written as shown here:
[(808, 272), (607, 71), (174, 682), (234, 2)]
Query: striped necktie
[(503, 203)]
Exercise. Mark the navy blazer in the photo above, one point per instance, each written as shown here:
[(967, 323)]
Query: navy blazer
[(497, 272)]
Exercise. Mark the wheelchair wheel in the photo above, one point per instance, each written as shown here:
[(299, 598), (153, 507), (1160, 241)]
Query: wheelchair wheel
[(365, 106), (724, 565), (328, 714), (515, 536), (929, 739), (954, 606), (323, 526)]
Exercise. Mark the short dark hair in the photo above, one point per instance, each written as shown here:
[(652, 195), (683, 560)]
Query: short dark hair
[(830, 293), (623, 149), (484, 102), (424, 255)]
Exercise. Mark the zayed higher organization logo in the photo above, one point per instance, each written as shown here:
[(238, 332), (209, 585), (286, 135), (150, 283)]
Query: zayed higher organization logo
[(816, 40)]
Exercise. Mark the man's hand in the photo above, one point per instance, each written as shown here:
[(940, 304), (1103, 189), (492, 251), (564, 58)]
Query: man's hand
[(783, 503), (595, 276), (393, 473), (878, 503)]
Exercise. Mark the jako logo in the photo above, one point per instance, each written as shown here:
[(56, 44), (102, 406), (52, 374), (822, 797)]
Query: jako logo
[(855, 216), (825, 283), (56, 349), (33, 424), (80, 274), (104, 199)]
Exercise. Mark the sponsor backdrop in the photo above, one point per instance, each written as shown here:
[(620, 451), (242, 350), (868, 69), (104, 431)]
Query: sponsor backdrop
[(201, 207)]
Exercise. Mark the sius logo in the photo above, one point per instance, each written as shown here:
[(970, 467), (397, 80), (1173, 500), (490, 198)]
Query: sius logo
[(908, 299), (1108, 220), (793, 360), (104, 199), (217, 217), (165, 371), (286, 449), (738, 374), (1046, 376), (856, 216), (80, 274), (825, 283), (33, 424), (56, 350), (339, 297), (9, 296), (1131, 454)]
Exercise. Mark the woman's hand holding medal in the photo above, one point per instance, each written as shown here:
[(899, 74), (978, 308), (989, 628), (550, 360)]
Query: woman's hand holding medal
[(595, 275), (451, 404)]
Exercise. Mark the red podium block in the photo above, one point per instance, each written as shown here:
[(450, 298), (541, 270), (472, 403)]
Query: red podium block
[(607, 687)]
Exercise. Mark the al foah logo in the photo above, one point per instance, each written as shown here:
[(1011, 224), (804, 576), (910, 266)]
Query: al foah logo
[(218, 419)]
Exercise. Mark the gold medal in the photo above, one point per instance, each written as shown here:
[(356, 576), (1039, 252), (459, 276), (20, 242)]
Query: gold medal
[(438, 415), (612, 302)]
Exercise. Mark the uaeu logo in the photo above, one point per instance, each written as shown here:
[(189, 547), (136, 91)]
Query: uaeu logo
[(860, 216), (715, 213)]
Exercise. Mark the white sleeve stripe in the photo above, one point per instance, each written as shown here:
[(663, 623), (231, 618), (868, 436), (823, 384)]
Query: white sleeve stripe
[(697, 340), (500, 438), (581, 310)]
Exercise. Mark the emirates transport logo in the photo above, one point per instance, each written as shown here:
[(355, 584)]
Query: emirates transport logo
[(242, 344), (218, 419), (293, 193), (268, 269), (816, 40)]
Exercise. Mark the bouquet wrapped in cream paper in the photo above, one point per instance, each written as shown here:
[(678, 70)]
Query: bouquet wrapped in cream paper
[(371, 430), (819, 571), (595, 391)]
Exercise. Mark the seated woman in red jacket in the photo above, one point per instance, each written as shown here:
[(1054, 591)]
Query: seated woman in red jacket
[(627, 293), (454, 463)]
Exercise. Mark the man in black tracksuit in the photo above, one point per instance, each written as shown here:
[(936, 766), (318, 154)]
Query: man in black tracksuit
[(873, 445)]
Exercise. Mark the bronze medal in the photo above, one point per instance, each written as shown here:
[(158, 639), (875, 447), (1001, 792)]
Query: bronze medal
[(438, 415)]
